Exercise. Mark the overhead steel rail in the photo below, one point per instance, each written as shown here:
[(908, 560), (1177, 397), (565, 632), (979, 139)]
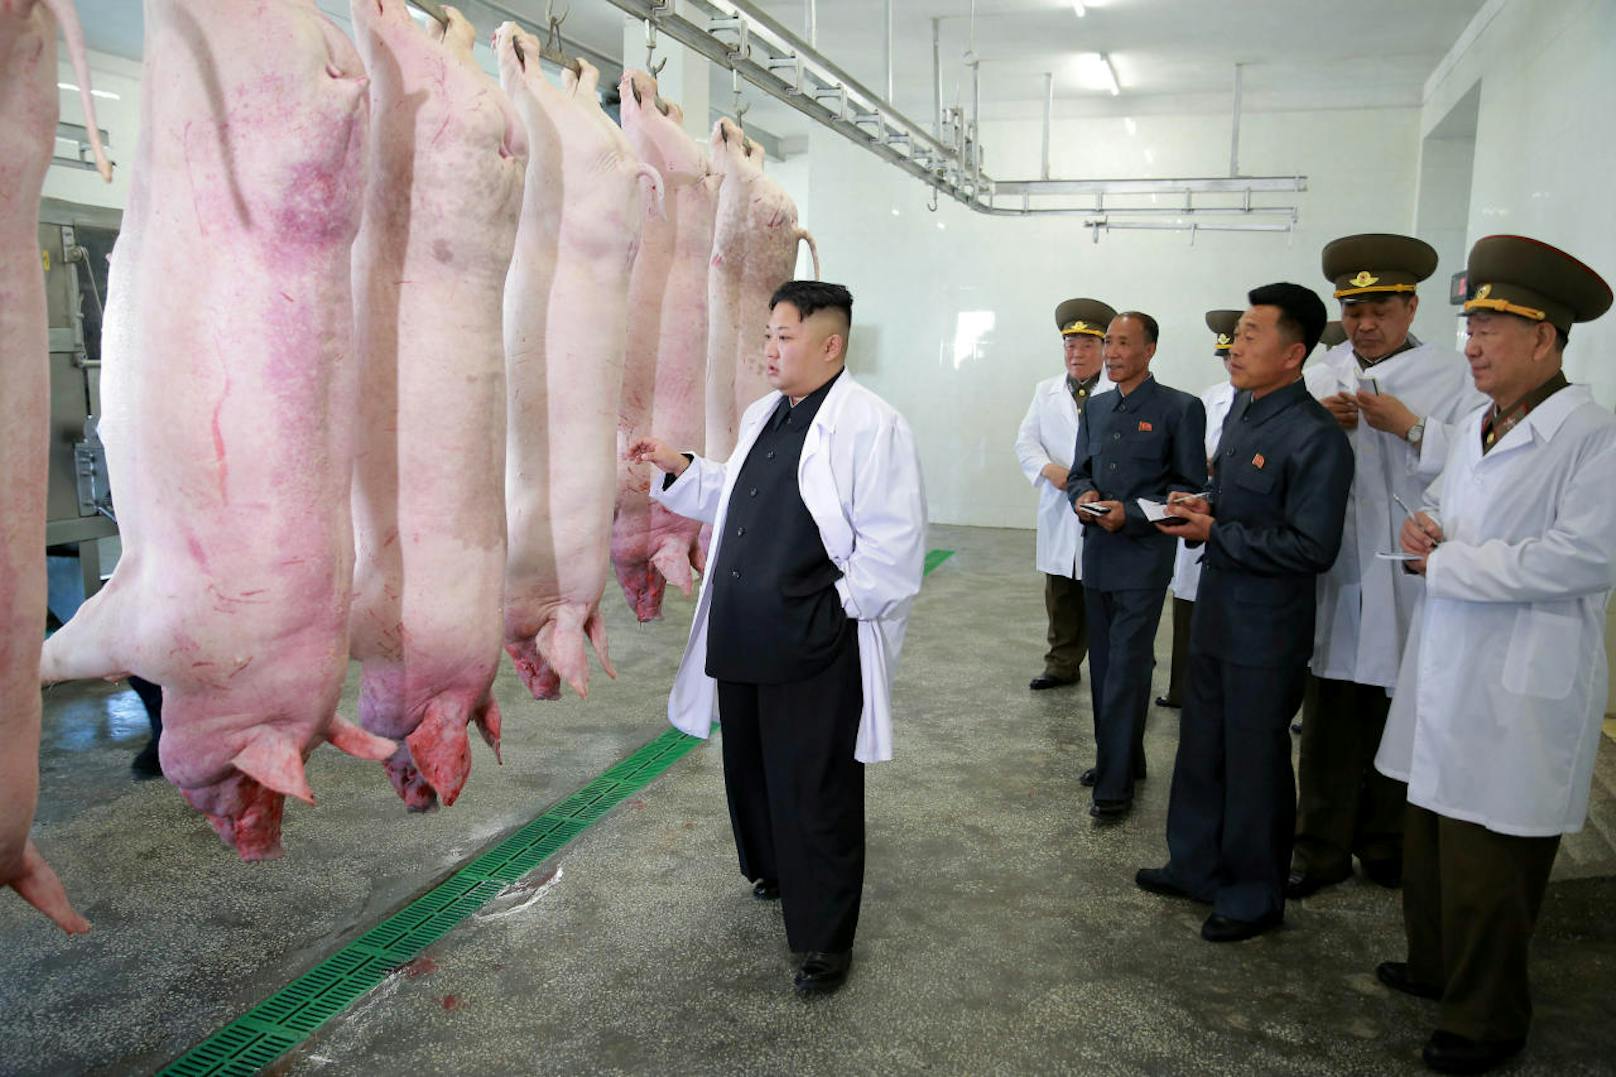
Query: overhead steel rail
[(945, 154)]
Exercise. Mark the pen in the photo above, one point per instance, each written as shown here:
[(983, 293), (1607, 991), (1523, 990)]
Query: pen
[(1405, 508), (1179, 495)]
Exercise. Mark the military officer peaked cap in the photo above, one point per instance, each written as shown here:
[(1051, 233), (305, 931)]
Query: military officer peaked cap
[(1376, 264), (1333, 334), (1222, 323), (1532, 280), (1088, 316)]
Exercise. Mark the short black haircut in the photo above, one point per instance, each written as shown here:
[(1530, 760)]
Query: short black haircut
[(809, 296), (1301, 311), (1152, 330)]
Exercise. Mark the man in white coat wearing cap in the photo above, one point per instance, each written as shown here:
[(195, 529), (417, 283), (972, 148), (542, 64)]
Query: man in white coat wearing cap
[(1398, 400), (819, 525), (1497, 715), (1044, 446)]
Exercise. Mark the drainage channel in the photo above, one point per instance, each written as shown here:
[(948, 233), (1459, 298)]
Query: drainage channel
[(256, 1039)]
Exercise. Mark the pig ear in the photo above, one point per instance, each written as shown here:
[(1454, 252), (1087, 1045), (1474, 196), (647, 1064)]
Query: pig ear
[(349, 738), (488, 724), (273, 761), (441, 750)]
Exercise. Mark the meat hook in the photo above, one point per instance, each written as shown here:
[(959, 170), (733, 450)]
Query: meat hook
[(435, 10)]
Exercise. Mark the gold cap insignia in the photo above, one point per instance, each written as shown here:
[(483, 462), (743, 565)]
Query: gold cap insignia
[(1364, 279), (1224, 340), (1484, 291)]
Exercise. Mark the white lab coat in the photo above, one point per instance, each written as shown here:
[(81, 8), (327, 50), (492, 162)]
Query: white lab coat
[(1497, 712), (1366, 605), (859, 475), (1217, 401), (1048, 435)]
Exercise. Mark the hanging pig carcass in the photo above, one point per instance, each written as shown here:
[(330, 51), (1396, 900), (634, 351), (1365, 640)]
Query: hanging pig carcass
[(566, 304), (664, 368), (28, 114), (443, 190), (229, 396), (754, 252)]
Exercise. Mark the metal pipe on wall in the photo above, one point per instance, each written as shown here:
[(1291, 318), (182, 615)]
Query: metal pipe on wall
[(1234, 134), (1049, 115), (811, 23), (886, 23), (976, 128), (937, 78)]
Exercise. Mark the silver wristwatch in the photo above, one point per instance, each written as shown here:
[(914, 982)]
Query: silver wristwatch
[(1416, 433)]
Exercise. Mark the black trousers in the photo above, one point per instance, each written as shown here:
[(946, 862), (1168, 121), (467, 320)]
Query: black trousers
[(1232, 812), (1183, 614), (1122, 656), (151, 696), (1471, 899), (1068, 627), (796, 796), (1347, 808)]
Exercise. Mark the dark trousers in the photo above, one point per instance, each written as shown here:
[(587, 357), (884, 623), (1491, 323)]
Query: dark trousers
[(1068, 627), (1122, 656), (1232, 812), (796, 796), (1183, 613), (151, 696), (1347, 808), (1471, 898)]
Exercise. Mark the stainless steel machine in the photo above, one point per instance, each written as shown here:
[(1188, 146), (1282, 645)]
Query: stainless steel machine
[(74, 241)]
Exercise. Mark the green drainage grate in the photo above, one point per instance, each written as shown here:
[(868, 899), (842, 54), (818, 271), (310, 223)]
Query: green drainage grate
[(264, 1033), (254, 1041)]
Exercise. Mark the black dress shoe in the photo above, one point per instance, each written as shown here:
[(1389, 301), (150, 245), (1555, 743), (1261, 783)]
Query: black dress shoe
[(1395, 975), (1049, 680), (1303, 884), (1446, 1052), (1110, 809), (145, 765), (766, 889), (1387, 873), (1161, 881), (1092, 775), (1170, 704), (1227, 929), (822, 973)]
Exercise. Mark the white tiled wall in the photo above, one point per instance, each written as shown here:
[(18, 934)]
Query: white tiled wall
[(1545, 141), (954, 311)]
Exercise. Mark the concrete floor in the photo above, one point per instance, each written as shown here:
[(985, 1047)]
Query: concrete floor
[(1001, 931)]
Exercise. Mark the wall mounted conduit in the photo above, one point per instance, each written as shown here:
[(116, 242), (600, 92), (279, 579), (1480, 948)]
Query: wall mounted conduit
[(945, 155)]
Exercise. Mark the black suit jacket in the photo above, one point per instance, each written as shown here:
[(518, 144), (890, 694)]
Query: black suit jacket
[(1147, 444), (1279, 499)]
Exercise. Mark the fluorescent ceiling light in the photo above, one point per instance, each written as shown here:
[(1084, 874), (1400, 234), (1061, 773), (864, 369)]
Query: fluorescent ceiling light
[(108, 94), (1079, 10), (1095, 72)]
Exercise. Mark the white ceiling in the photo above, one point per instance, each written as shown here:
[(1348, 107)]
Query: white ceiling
[(1170, 55)]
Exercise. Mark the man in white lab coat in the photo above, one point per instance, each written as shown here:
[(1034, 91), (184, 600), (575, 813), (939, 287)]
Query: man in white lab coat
[(1496, 719), (1044, 448), (819, 526), (1398, 400), (1187, 567)]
